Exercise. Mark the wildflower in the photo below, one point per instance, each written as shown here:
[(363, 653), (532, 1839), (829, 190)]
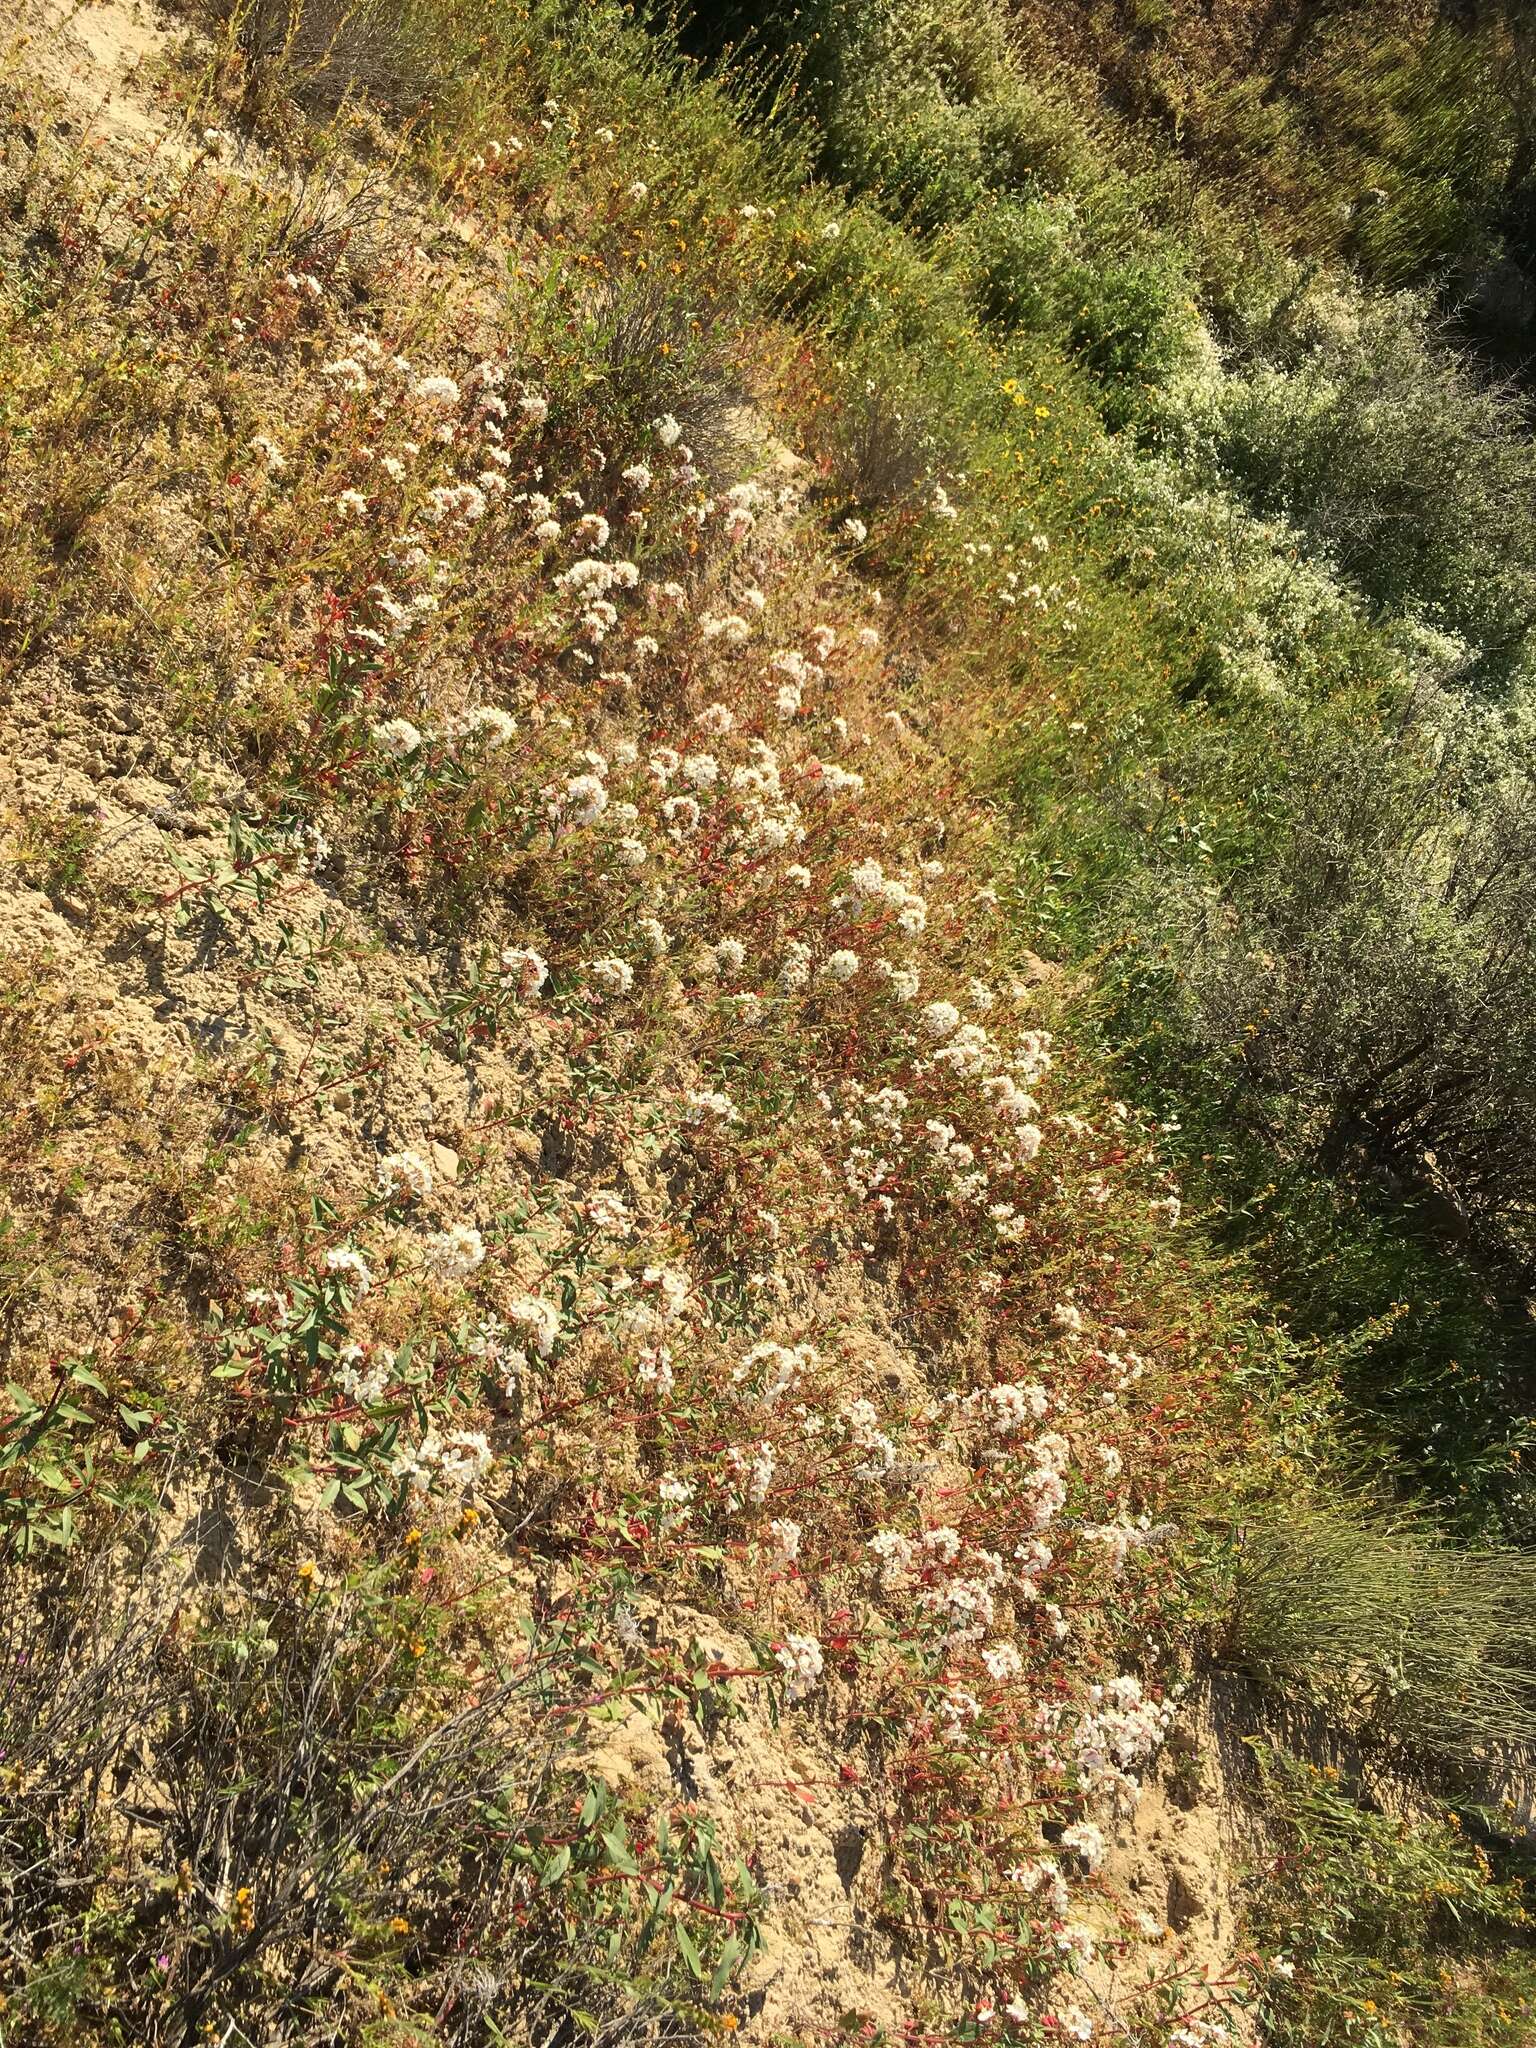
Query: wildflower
[(667, 430), (1072, 2022), (349, 1266), (455, 1253), (606, 1211), (799, 1658), (365, 1387), (534, 408), (353, 503), (438, 391), (940, 1020), (539, 1318), (895, 1553), (869, 639), (832, 231), (676, 1494), (856, 531), (346, 373), (585, 800), (1002, 1662), (525, 969), (466, 1458), (271, 456), (785, 1535), (795, 968), (405, 1174), (704, 1102), (1085, 1840), (657, 938), (840, 966), (613, 975), (638, 189), (638, 477)]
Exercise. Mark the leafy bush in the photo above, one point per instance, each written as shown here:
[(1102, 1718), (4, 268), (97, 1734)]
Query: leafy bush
[(1380, 1930), (1353, 419), (1372, 978)]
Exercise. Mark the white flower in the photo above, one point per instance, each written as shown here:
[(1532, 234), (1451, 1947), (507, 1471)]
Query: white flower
[(657, 938), (615, 976), (347, 373), (856, 531), (271, 456), (676, 1494), (407, 1174), (1085, 1840), (638, 477), (397, 737), (585, 800), (534, 408), (353, 503), (455, 1253), (438, 391), (639, 189), (540, 1319), (667, 430), (1002, 1662), (940, 1020), (1073, 2023), (364, 1387), (350, 1267), (799, 1658), (785, 1536), (488, 724), (606, 1210), (703, 1102), (525, 969), (840, 966)]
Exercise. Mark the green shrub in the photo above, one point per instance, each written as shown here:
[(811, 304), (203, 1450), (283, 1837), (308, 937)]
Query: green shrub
[(1385, 1930)]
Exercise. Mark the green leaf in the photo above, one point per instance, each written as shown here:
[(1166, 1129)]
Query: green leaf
[(690, 1953), (723, 1969), (618, 1853), (555, 1868)]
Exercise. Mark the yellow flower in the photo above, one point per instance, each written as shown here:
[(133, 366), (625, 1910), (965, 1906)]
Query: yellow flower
[(399, 1926)]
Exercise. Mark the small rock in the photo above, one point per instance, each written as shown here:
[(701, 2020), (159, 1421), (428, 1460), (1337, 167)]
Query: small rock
[(445, 1161)]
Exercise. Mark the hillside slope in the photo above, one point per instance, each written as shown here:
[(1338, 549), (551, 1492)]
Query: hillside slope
[(609, 1429)]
